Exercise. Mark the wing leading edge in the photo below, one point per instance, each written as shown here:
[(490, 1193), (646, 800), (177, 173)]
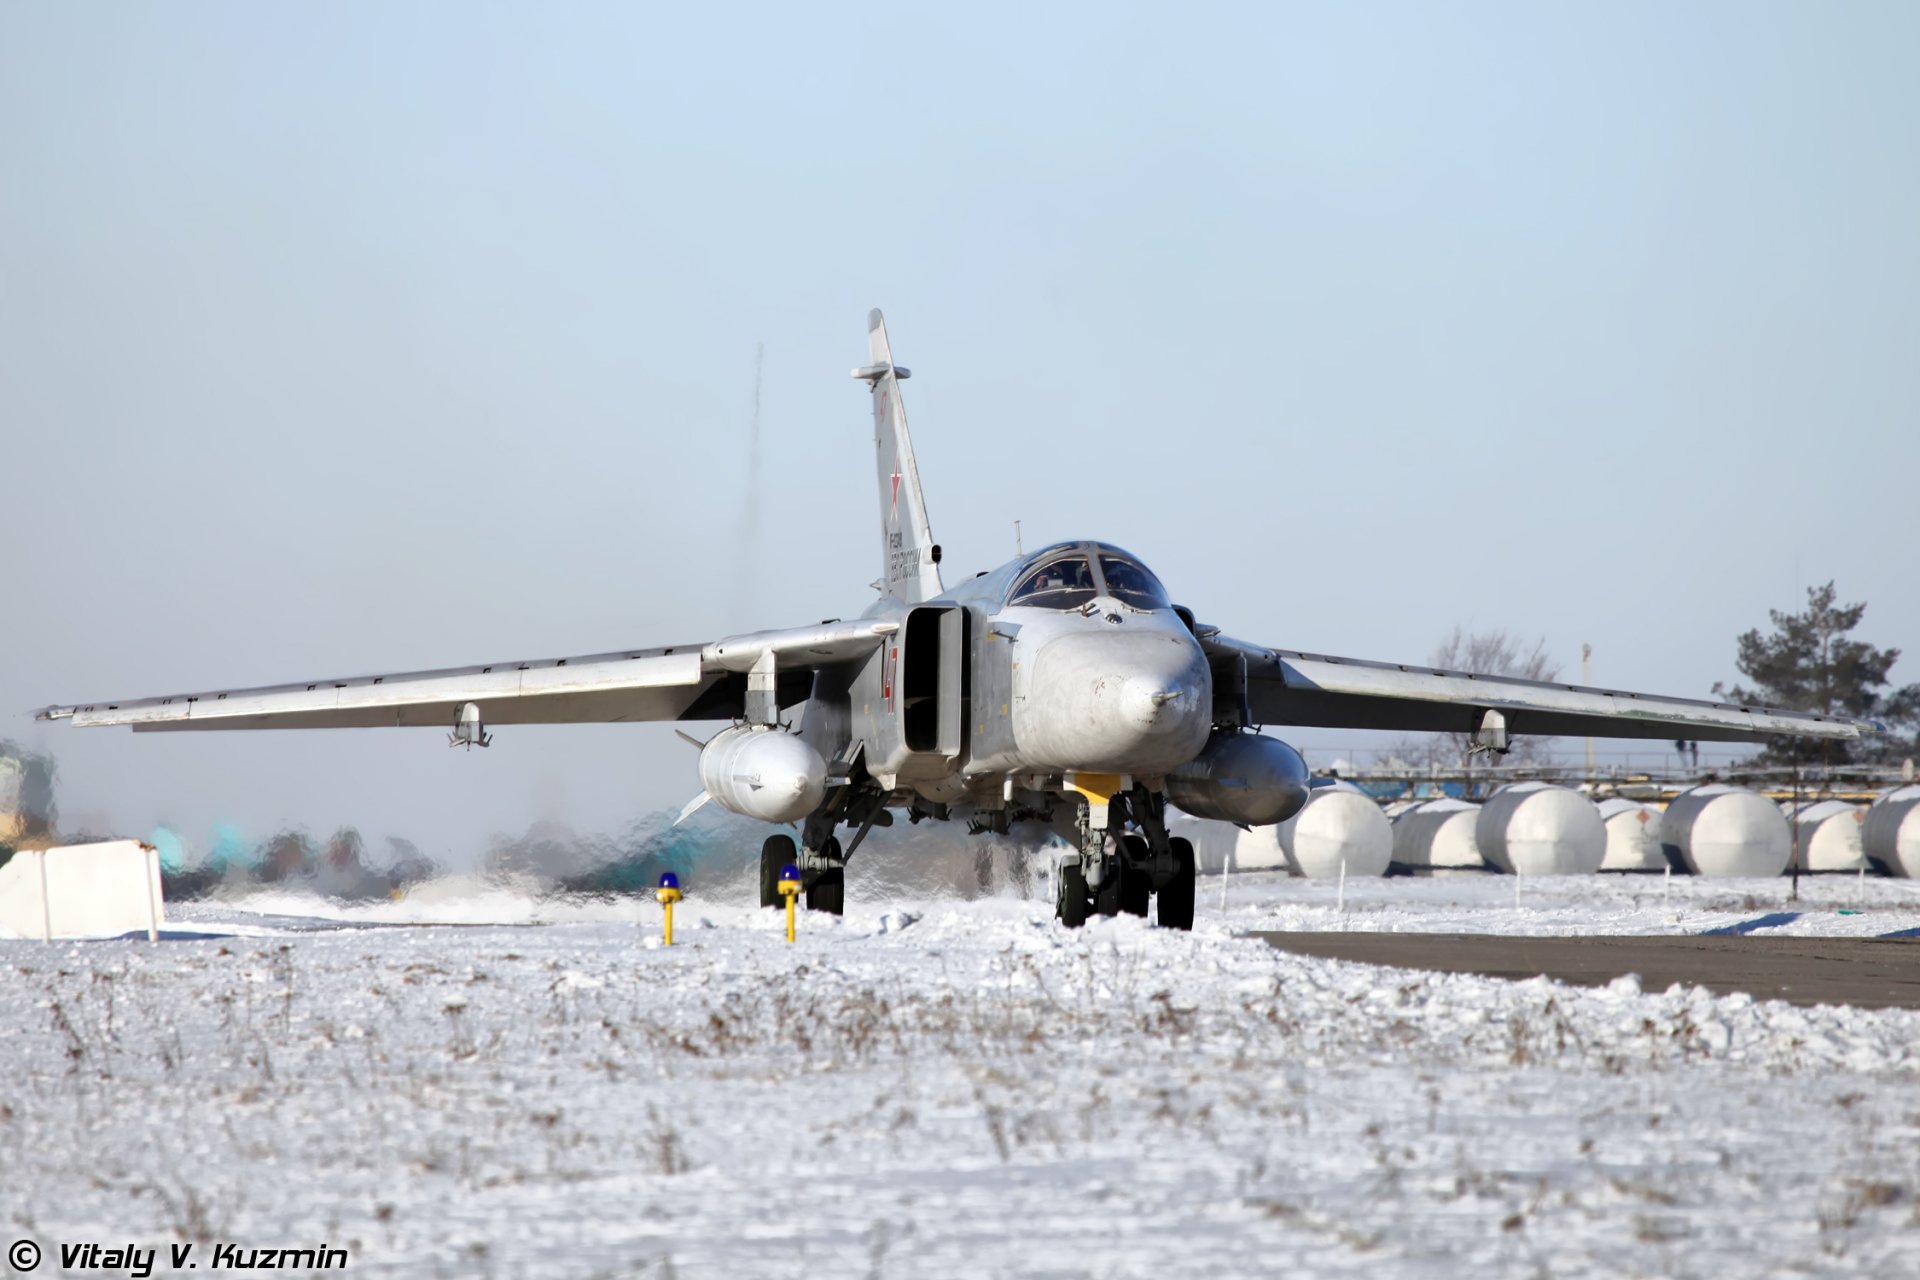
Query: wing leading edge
[(1290, 688), (683, 682)]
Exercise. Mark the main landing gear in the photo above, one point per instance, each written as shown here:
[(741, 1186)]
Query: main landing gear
[(824, 881), (1119, 870), (819, 857)]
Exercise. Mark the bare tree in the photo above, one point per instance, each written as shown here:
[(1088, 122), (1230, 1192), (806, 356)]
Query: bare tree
[(1484, 653)]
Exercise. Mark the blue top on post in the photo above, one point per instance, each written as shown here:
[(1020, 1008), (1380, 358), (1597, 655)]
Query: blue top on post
[(668, 880)]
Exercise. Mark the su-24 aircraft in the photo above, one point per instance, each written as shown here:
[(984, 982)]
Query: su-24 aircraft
[(1064, 686)]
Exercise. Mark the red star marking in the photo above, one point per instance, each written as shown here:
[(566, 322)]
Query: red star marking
[(896, 493)]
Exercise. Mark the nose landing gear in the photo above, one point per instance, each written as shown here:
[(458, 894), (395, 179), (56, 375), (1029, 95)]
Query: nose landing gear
[(1137, 864)]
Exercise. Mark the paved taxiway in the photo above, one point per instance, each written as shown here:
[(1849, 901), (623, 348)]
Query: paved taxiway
[(1869, 972)]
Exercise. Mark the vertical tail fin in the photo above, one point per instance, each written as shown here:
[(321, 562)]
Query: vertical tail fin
[(910, 558)]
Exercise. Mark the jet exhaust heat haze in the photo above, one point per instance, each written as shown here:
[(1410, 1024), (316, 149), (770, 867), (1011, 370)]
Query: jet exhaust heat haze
[(1064, 688)]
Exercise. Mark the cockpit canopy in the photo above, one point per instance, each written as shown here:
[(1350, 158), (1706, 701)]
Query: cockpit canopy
[(1131, 583), (1071, 575), (1066, 583)]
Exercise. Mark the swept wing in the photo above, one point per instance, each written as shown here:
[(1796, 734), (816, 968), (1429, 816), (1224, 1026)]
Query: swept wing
[(1289, 688), (682, 682)]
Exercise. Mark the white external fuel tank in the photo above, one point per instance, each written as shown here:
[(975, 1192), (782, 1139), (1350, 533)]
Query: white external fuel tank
[(1339, 825), (1718, 830), (1538, 829), (1246, 778), (1633, 835), (1891, 833), (1437, 835), (763, 773), (1829, 834)]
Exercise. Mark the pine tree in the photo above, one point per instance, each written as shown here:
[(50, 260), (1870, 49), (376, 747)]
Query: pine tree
[(1810, 663)]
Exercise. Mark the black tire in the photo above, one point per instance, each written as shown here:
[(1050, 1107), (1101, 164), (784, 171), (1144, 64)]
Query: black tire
[(1072, 904), (1136, 885), (776, 852), (1106, 899), (828, 892), (1176, 896)]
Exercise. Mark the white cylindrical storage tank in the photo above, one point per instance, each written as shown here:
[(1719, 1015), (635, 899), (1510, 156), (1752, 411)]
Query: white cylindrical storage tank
[(1891, 834), (1829, 834), (1633, 835), (1257, 849), (1538, 829), (1339, 824), (1718, 830), (1437, 835), (1213, 842)]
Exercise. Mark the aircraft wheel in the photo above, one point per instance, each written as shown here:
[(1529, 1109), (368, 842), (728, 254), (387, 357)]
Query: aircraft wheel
[(828, 892), (1176, 896), (1072, 906), (1135, 884), (827, 887), (1106, 899), (775, 852)]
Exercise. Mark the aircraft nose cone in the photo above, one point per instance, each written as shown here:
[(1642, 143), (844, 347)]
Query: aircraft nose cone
[(1147, 703), (1135, 702)]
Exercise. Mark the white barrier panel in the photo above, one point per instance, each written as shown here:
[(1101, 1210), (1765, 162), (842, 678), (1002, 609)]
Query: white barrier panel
[(82, 891)]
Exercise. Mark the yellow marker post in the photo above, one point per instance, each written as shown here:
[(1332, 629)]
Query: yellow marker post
[(668, 893), (789, 887)]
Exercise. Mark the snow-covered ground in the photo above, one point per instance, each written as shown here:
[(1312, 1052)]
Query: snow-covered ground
[(939, 1087)]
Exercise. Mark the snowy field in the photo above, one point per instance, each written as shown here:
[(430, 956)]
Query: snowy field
[(941, 1087)]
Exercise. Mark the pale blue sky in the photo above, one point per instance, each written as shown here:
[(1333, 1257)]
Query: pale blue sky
[(370, 337)]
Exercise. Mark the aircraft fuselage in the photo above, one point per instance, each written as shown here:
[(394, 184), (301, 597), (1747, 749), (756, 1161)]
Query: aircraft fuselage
[(1007, 675)]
